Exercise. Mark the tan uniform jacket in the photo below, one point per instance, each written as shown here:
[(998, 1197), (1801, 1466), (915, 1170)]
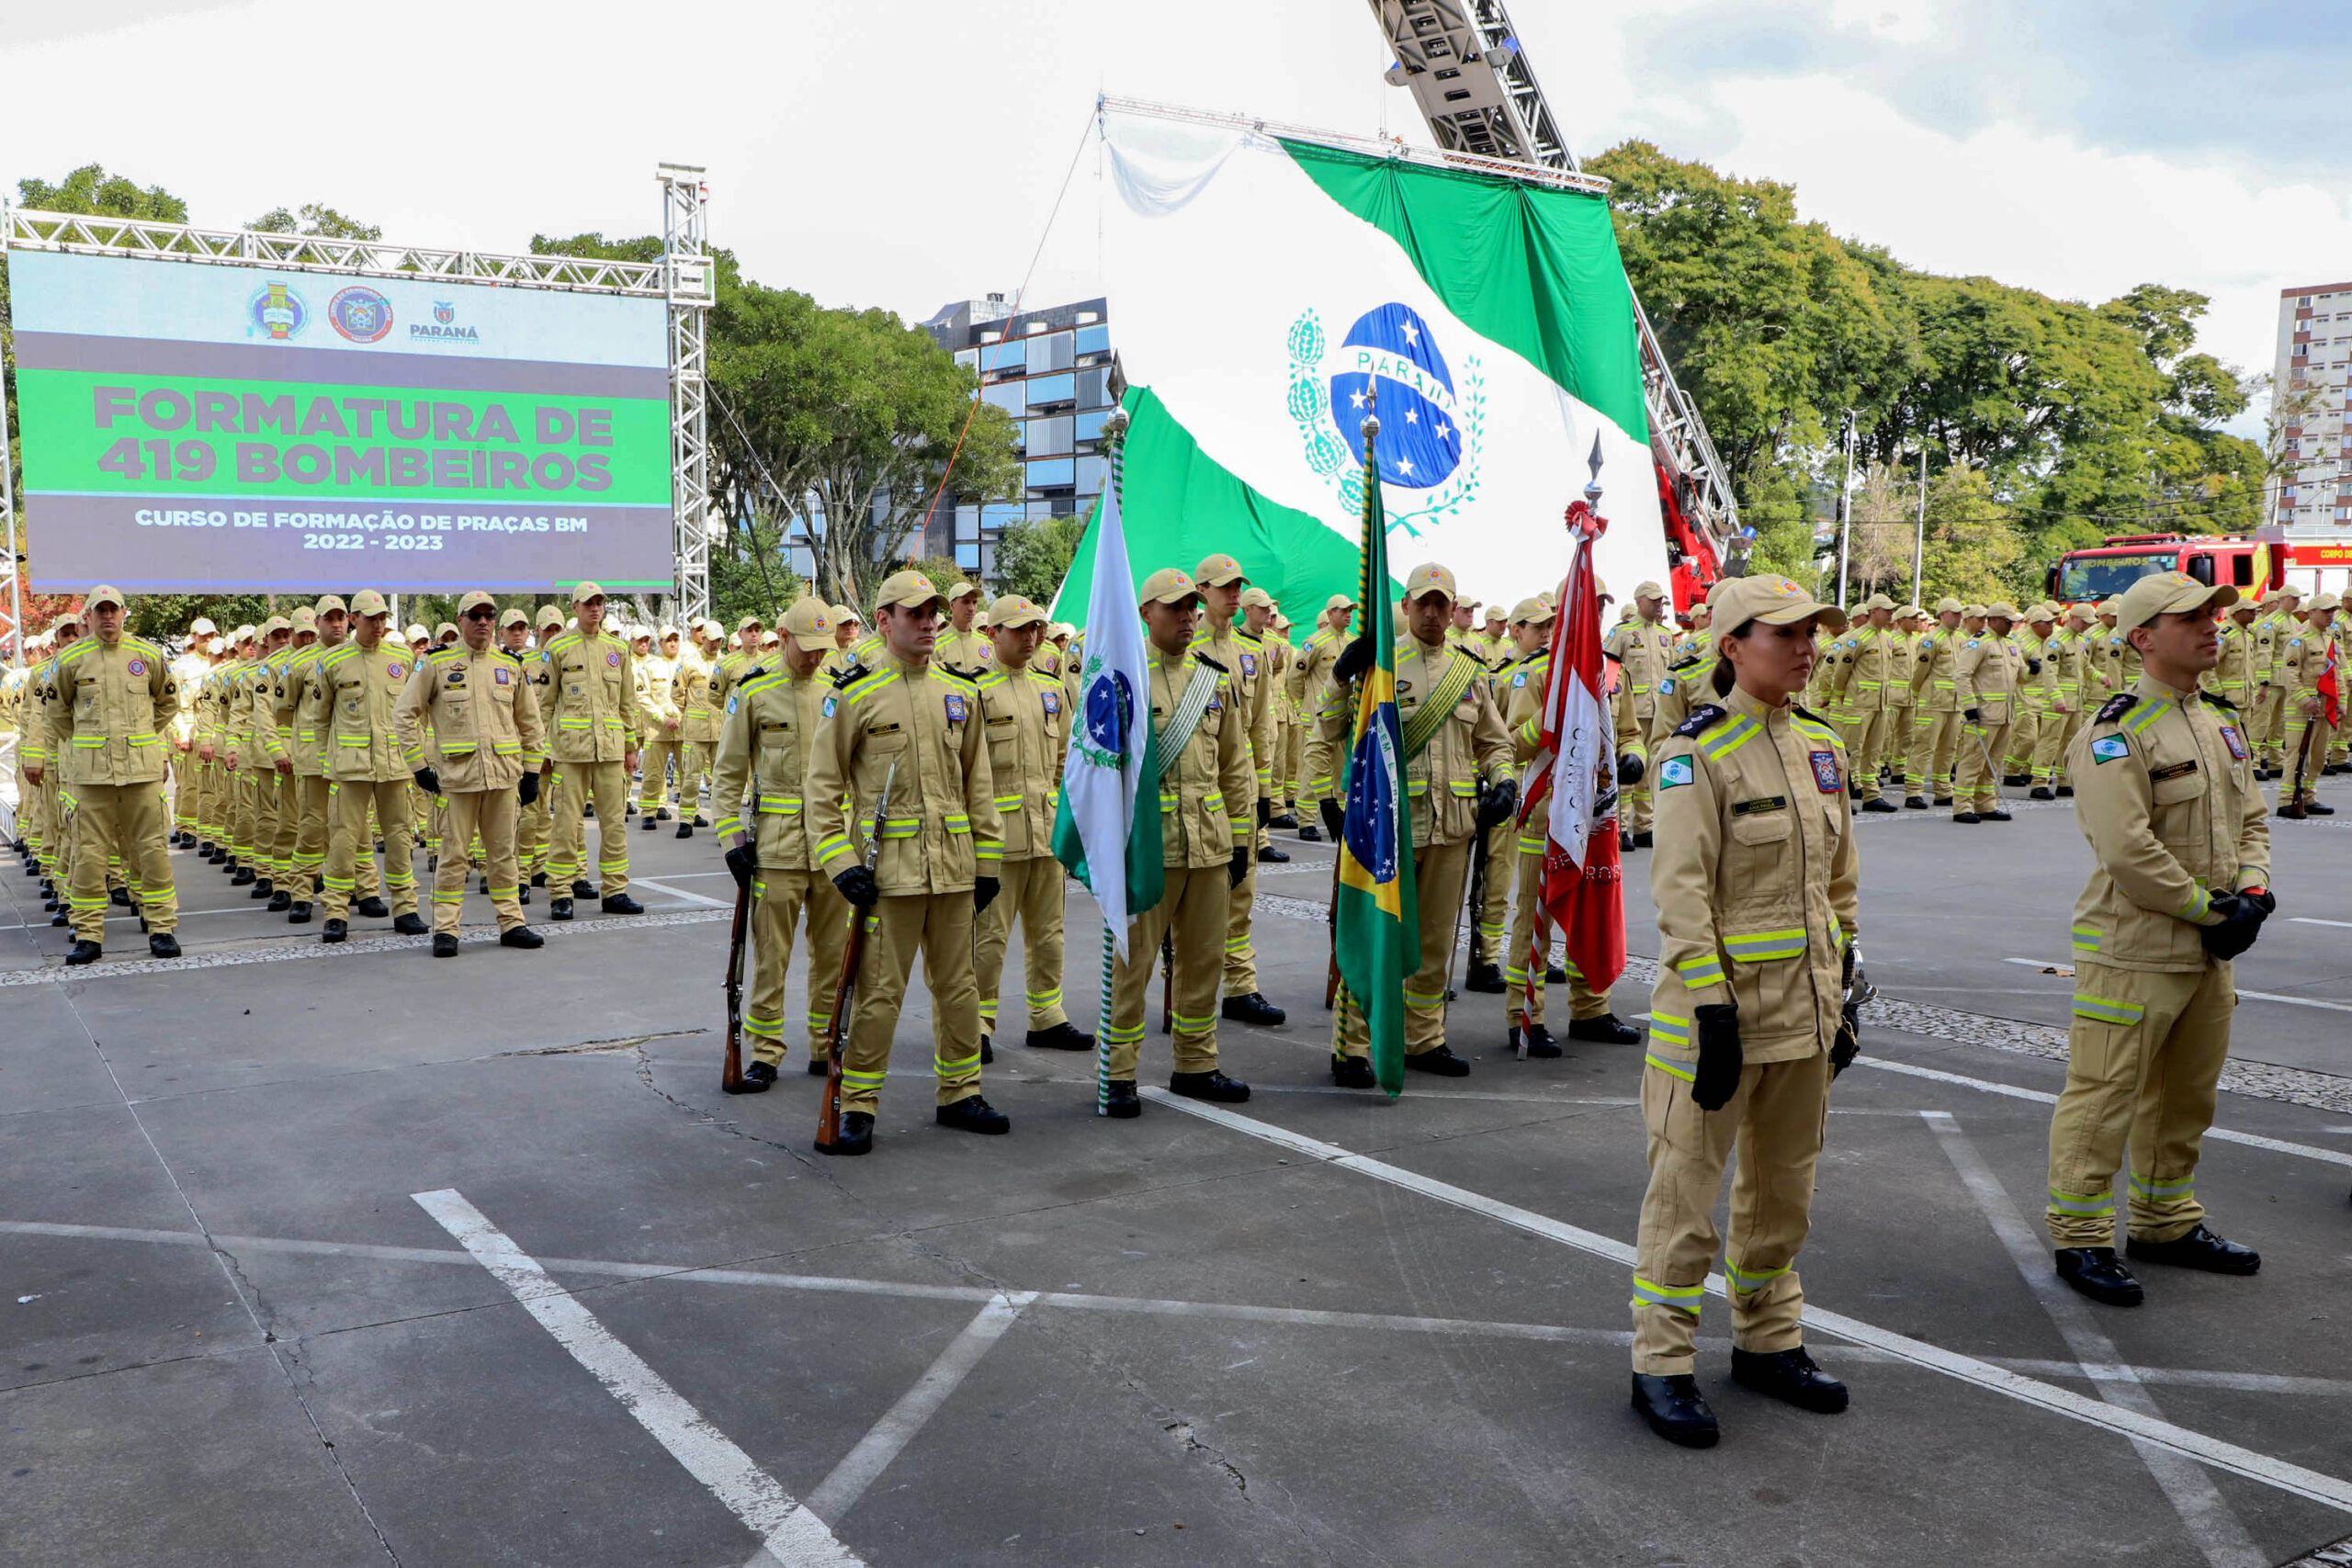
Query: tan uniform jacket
[(2233, 675), (591, 700), (656, 705), (943, 821), (763, 766), (484, 714), (2165, 792), (690, 694), (1026, 725), (275, 691), (1985, 676), (358, 733), (1931, 670), (1643, 650), (1872, 663), (725, 670), (2301, 658), (105, 709), (1755, 877), (1243, 659), (311, 696), (189, 671), (1443, 782), (966, 653), (1204, 789)]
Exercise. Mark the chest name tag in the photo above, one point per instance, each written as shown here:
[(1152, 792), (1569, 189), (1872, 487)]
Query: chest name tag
[(2236, 742), (1760, 807), (890, 728), (1674, 770), (1824, 772), (2110, 748), (2172, 771), (954, 708)]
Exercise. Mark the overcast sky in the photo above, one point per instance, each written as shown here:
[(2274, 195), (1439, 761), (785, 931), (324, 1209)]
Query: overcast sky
[(904, 154)]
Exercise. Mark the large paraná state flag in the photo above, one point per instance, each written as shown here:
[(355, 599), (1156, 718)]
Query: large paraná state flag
[(1263, 288)]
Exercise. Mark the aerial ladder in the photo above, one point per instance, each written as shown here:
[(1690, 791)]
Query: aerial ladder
[(1470, 75)]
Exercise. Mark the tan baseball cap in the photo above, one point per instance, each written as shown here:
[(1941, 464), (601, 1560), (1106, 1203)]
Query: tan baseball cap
[(909, 589), (1775, 601), (548, 616), (768, 640), (201, 626), (2001, 609), (274, 624), (748, 622), (304, 619), (583, 592), (809, 623), (1531, 612), (330, 601), (1878, 601), (2105, 607), (2324, 602), (103, 595), (1281, 622), (1947, 605), (241, 634), (1647, 590), (1339, 602), (1216, 571), (1169, 585), (1013, 611), (449, 628), (368, 601), (1257, 597), (513, 618), (416, 633), (846, 615), (1494, 612), (1427, 578), (2164, 592)]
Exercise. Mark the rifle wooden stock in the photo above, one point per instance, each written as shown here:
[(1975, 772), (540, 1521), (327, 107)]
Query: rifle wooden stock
[(1168, 980), (730, 1077), (1331, 920), (2292, 808), (829, 1115)]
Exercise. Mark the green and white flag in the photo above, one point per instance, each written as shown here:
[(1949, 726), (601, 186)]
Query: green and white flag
[(1263, 287)]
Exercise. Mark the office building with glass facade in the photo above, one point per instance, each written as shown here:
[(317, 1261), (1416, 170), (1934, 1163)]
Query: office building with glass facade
[(1050, 370)]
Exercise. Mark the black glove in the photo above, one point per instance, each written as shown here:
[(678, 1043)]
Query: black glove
[(2240, 923), (1717, 1079), (1848, 1044), (1973, 715), (857, 886), (1238, 866), (1334, 819), (428, 781), (1354, 662), (528, 790), (743, 861), (1630, 767), (2264, 896), (984, 892), (1265, 812), (2032, 665), (1496, 809)]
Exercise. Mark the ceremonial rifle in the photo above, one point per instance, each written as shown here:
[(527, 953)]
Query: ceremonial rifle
[(829, 1119), (2292, 808), (730, 1075)]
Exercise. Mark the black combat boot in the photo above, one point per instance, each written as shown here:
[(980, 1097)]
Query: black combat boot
[(2098, 1274), (1607, 1029), (1536, 1038), (1438, 1060), (1790, 1377), (1484, 977), (1675, 1410), (857, 1137), (973, 1114), (1212, 1085)]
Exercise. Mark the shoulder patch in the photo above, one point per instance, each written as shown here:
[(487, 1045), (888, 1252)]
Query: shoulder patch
[(2115, 708), (849, 675), (1674, 770), (1701, 717)]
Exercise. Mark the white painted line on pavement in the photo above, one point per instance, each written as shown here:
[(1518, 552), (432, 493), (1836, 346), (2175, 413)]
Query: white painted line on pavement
[(2287, 1477), (679, 893), (2046, 968), (2203, 1512), (794, 1536), (838, 1493), (1987, 1086), (2315, 921)]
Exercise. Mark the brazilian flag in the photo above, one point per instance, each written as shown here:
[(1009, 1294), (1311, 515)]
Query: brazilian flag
[(1377, 926)]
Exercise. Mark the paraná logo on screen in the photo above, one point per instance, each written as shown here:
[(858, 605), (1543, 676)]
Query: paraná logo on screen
[(444, 325)]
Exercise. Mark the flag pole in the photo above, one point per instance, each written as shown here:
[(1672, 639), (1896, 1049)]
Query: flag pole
[(1114, 426)]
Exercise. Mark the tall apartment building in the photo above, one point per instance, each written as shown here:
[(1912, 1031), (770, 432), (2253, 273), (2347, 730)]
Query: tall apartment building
[(2312, 389), (1050, 370)]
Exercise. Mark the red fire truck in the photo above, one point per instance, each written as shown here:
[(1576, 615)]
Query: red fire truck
[(2254, 564)]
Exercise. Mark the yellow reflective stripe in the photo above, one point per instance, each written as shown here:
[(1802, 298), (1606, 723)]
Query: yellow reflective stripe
[(2103, 1010), (1667, 1029), (1672, 1069), (2093, 1203), (1766, 944), (1685, 1297)]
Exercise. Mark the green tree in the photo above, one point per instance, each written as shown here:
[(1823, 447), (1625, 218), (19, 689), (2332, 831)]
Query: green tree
[(92, 192), (315, 221), (1031, 559), (1973, 549)]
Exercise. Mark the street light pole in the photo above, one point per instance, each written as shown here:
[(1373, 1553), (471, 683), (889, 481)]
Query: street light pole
[(1919, 535), (1846, 511)]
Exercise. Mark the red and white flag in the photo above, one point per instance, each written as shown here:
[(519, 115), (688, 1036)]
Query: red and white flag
[(2330, 688), (1572, 777)]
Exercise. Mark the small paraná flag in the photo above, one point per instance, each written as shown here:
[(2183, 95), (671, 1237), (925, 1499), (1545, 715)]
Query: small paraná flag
[(1113, 762), (1377, 925)]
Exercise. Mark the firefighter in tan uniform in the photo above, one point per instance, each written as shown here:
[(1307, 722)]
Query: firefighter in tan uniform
[(690, 691), (908, 726), (2269, 719), (1985, 674), (188, 671), (1242, 658), (1274, 665), (1521, 684), (308, 697), (359, 746), (1025, 721), (274, 701), (535, 824), (483, 757), (1873, 661), (107, 705), (1643, 648), (2309, 731), (1908, 623), (1936, 723), (1311, 680), (964, 648), (1755, 883), (2164, 791), (658, 722), (2234, 676), (1458, 784), (1205, 824), (591, 723), (2061, 652), (763, 773), (257, 777)]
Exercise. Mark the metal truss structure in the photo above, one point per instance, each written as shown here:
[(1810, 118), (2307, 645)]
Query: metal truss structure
[(1471, 80), (688, 287)]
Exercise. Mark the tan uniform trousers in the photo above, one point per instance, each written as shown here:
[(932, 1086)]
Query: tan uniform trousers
[(1438, 875), (1935, 743), (490, 814), (1868, 736), (1192, 911), (313, 803), (531, 828), (289, 841), (125, 825), (696, 760), (1776, 1119), (351, 859), (2025, 735), (654, 760), (1523, 966), (2269, 717), (1031, 890), (1978, 788), (1240, 958), (2051, 734), (2143, 1058), (1490, 921), (2309, 741), (939, 925), (181, 768), (273, 815), (780, 899), (1290, 741), (1897, 755), (32, 813), (605, 785), (241, 830)]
